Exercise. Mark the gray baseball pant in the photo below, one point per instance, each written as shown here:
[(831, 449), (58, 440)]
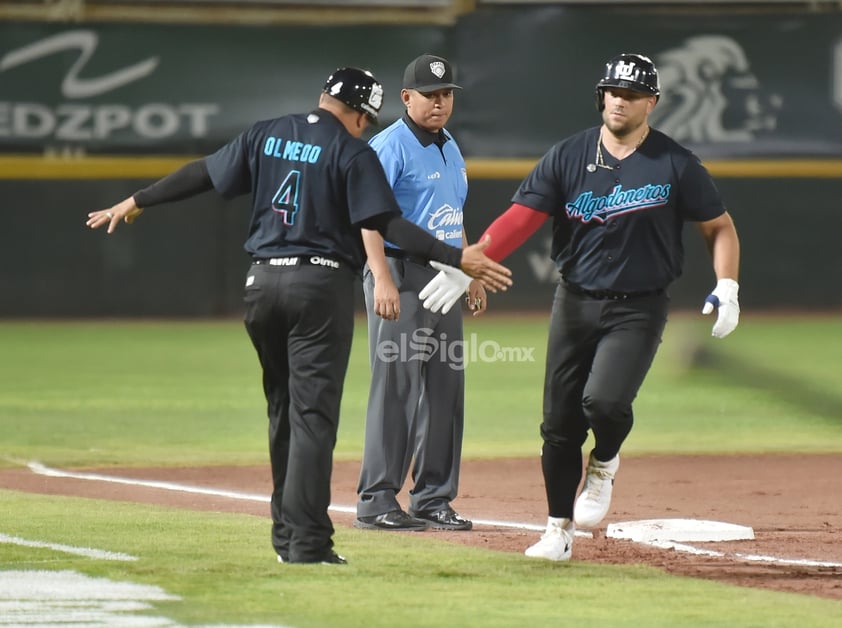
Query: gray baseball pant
[(416, 400)]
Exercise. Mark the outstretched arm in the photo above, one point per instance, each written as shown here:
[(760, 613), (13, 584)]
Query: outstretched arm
[(189, 180), (416, 241), (503, 236), (511, 229)]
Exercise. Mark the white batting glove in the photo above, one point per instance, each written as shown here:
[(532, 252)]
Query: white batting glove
[(724, 300), (444, 289)]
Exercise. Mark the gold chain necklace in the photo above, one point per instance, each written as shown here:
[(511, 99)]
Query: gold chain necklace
[(600, 161)]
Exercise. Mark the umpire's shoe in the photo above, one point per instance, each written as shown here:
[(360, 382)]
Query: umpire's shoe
[(595, 498), (445, 519), (394, 520), (556, 543)]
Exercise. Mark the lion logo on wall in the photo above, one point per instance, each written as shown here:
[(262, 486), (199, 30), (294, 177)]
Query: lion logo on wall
[(710, 94)]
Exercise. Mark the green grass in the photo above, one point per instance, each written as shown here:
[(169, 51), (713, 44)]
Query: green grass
[(109, 393), (219, 567), (772, 386), (114, 393), (99, 393)]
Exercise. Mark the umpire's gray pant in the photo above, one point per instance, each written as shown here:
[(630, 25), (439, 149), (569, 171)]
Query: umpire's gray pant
[(416, 400)]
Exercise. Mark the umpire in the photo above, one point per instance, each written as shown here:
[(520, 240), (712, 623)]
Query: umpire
[(415, 412), (314, 184)]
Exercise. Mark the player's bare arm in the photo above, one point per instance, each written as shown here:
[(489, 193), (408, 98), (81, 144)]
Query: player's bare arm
[(387, 301), (723, 244)]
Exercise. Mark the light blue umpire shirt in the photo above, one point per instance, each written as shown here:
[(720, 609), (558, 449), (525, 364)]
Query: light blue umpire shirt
[(428, 175)]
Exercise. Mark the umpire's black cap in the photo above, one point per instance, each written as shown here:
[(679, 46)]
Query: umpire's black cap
[(358, 89), (429, 73)]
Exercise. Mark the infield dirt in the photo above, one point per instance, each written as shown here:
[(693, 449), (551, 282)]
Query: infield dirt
[(791, 501)]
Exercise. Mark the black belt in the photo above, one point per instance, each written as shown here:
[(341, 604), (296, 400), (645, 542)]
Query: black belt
[(610, 295), (406, 257), (293, 261)]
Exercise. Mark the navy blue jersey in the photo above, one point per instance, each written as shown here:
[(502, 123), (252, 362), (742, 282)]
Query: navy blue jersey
[(311, 182), (620, 228)]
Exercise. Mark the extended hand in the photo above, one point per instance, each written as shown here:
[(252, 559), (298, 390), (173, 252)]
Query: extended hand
[(724, 299), (491, 275), (125, 210), (444, 289)]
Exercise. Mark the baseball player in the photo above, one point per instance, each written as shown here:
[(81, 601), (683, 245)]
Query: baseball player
[(416, 406), (314, 183), (619, 195)]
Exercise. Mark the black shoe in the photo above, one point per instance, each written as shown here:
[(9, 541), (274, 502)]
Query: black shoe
[(394, 520), (332, 558), (445, 519)]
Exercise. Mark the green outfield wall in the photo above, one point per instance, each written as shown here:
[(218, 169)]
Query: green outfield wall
[(92, 111), (187, 259)]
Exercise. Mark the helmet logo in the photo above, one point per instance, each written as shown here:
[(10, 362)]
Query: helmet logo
[(628, 71), (623, 70), (375, 99), (437, 68), (335, 88)]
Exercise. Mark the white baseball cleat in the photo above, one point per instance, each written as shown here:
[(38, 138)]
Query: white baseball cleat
[(595, 498), (556, 543)]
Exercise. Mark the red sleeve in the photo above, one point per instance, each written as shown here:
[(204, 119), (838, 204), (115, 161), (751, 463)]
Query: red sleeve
[(511, 229)]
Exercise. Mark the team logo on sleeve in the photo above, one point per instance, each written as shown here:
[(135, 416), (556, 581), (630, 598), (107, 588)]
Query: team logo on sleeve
[(588, 207)]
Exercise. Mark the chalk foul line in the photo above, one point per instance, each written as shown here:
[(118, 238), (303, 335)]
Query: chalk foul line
[(751, 558), (87, 552), (41, 469)]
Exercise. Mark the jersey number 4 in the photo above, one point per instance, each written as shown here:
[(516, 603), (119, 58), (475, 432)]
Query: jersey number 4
[(285, 201)]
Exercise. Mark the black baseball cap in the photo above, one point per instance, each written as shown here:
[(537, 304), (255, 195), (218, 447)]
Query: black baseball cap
[(429, 73)]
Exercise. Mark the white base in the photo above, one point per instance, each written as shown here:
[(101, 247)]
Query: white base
[(680, 530)]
